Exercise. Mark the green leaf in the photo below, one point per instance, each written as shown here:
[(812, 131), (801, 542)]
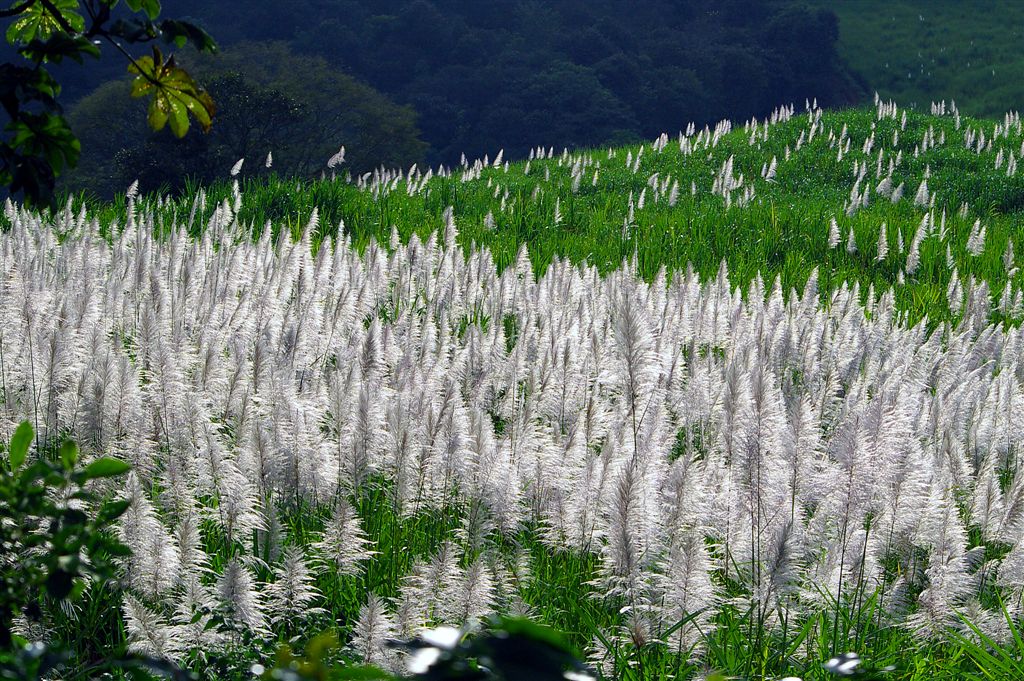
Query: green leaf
[(38, 23), (48, 136), (150, 7), (320, 646), (33, 176), (21, 85), (20, 443), (182, 33), (157, 115), (178, 117), (111, 511), (118, 550), (518, 626), (74, 516), (68, 453), (61, 46), (174, 94), (106, 467)]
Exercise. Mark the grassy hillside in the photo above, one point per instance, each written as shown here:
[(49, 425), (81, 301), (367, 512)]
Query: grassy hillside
[(919, 51), (329, 435), (705, 198)]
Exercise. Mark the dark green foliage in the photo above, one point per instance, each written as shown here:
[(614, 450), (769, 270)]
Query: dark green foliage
[(470, 69), (55, 546), (517, 73)]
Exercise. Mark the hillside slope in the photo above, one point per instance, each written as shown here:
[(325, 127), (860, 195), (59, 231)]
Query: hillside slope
[(781, 197), (368, 440), (919, 51)]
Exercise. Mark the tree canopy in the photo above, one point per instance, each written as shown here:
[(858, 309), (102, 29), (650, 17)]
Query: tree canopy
[(399, 81), (514, 74)]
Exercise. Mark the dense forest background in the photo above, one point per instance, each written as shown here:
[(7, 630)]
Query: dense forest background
[(405, 81)]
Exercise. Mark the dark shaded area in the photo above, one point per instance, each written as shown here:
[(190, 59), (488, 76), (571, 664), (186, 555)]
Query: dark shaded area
[(514, 74), (263, 107)]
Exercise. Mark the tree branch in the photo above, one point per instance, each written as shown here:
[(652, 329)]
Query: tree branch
[(98, 17), (106, 36)]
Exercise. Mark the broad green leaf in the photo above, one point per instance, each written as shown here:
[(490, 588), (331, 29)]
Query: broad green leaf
[(20, 443), (37, 23), (157, 116), (48, 136), (174, 94), (106, 467), (179, 116), (320, 646), (74, 516), (150, 7), (183, 32), (140, 86), (68, 453), (112, 510), (519, 626), (20, 85), (59, 584), (61, 46), (118, 550)]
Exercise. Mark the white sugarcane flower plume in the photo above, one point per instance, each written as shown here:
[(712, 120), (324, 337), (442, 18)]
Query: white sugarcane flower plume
[(818, 445), (292, 594)]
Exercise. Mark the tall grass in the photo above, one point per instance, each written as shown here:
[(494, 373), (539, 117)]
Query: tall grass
[(374, 405), (778, 232)]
